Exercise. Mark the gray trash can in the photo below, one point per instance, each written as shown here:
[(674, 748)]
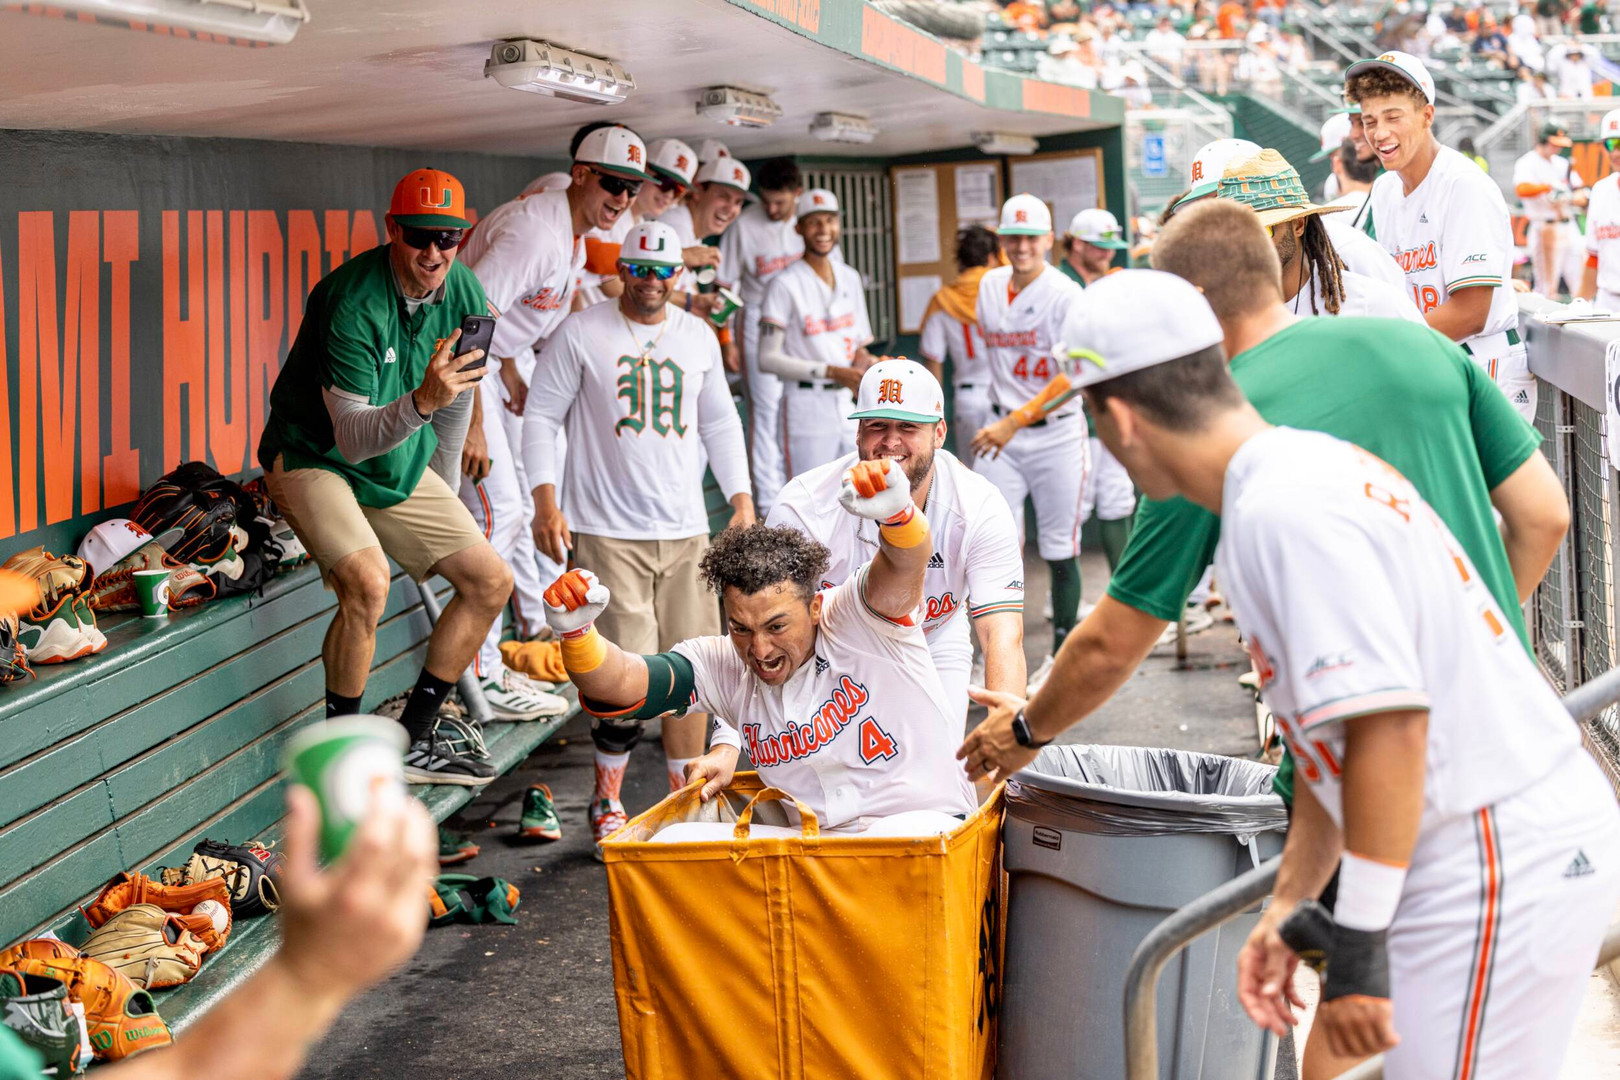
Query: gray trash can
[(1101, 843)]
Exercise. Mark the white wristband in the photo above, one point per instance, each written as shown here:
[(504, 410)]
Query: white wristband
[(1369, 893)]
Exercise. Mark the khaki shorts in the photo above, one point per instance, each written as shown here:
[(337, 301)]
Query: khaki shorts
[(658, 598), (430, 525)]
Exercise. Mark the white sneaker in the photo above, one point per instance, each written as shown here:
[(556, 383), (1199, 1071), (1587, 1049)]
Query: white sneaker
[(1038, 679), (530, 682), (1198, 620), (1046, 609), (509, 699)]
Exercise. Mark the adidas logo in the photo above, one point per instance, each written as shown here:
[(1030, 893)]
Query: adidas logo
[(390, 356), (936, 561), (1521, 398), (1423, 219), (1581, 866), (821, 666)]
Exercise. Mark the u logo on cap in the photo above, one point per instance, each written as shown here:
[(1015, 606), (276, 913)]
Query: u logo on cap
[(889, 392), (648, 247), (426, 196)]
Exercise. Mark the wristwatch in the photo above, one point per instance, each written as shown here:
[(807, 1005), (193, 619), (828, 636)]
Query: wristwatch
[(1020, 730)]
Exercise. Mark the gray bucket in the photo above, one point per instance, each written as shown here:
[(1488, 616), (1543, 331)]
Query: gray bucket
[(1101, 843)]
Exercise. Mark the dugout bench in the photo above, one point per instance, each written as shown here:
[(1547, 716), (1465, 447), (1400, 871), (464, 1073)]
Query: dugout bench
[(124, 760)]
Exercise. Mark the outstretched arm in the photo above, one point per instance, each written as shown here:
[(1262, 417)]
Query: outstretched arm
[(991, 438), (880, 490), (601, 670)]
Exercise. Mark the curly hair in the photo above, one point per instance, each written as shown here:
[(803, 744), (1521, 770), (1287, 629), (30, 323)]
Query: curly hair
[(760, 556), (1381, 82)]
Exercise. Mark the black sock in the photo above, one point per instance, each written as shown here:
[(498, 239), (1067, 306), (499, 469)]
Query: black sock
[(339, 705), (422, 707), (1065, 598)]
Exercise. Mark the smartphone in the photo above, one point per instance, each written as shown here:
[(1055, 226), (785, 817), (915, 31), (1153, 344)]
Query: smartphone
[(476, 333)]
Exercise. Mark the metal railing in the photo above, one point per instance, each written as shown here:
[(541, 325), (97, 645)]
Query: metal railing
[(1516, 131)]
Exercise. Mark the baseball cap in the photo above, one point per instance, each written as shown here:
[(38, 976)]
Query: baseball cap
[(1271, 187), (1609, 127), (899, 389), (672, 159), (1556, 134), (651, 243), (724, 170), (1209, 165), (709, 149), (1335, 129), (429, 199), (110, 541), (1132, 320), (1024, 215), (616, 150), (1098, 228), (1403, 64), (816, 201)]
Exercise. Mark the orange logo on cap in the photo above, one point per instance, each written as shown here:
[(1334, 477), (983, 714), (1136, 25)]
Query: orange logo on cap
[(736, 174), (680, 162), (1198, 170), (635, 154), (818, 200), (889, 392), (1020, 216)]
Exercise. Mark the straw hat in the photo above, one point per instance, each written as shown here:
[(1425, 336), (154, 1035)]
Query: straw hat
[(1270, 187)]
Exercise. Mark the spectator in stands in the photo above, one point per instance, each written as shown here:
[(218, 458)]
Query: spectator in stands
[(1533, 87), (1525, 44), (362, 453), (1164, 45), (1231, 20), (1062, 11), (1064, 63), (1574, 72), (1592, 18), (1491, 44), (1550, 16)]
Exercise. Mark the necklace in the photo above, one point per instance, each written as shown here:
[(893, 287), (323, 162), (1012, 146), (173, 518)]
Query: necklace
[(644, 351)]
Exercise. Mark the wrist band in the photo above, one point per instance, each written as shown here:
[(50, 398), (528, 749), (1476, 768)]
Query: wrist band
[(583, 650), (689, 302), (725, 335), (906, 529), (1369, 892)]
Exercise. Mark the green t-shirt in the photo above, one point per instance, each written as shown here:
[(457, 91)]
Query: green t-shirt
[(18, 1060), (1398, 389), (1591, 18), (359, 336)]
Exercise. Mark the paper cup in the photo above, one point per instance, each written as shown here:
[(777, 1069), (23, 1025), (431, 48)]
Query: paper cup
[(339, 760), (152, 590)]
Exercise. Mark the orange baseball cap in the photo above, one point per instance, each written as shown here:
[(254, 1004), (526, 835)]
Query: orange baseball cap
[(429, 199)]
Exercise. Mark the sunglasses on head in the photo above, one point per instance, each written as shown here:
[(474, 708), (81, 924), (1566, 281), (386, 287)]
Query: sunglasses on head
[(641, 270), (616, 185), (1611, 144), (421, 239)]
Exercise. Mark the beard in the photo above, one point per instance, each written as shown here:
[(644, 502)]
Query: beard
[(917, 468)]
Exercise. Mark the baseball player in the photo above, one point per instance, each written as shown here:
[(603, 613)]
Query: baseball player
[(527, 254), (834, 692), (1547, 186), (1444, 222), (950, 331), (975, 573), (633, 379), (1476, 843), (718, 191), (671, 164), (760, 244), (1600, 281), (813, 336), (1021, 311), (1355, 179), (1335, 129)]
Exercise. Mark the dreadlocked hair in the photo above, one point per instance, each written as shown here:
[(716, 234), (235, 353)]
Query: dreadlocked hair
[(1316, 252)]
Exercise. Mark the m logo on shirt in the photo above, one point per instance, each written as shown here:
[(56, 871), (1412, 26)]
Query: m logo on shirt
[(654, 401), (889, 392), (801, 740)]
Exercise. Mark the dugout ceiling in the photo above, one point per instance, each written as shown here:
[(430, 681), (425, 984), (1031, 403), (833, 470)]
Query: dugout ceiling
[(409, 74)]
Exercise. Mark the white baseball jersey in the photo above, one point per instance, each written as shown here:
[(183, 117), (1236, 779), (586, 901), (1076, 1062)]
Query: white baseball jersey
[(1361, 252), (1553, 173), (1354, 598), (754, 249), (976, 568), (1603, 231), (861, 730), (1363, 296), (1451, 233), (1020, 330), (943, 336), (679, 218), (820, 324), (527, 258), (646, 409)]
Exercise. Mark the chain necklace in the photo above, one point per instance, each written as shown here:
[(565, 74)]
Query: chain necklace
[(644, 351)]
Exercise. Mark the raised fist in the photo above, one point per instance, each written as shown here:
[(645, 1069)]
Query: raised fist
[(877, 489), (574, 601)]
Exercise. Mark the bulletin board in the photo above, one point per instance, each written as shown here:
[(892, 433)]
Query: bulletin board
[(1068, 181), (931, 202)]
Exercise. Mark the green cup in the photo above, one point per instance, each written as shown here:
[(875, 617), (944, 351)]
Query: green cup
[(339, 760), (152, 589), (730, 302)]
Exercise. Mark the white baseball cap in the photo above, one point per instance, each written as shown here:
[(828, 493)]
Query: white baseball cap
[(723, 170), (1025, 215), (110, 541), (1131, 320), (1404, 64), (1098, 228), (672, 159), (899, 389), (616, 150), (651, 243), (710, 149), (816, 201), (1335, 129), (1609, 126), (1210, 165)]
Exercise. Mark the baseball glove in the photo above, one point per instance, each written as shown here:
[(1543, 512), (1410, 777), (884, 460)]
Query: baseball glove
[(252, 873), (58, 575), (205, 517), (115, 589), (149, 946), (13, 658), (121, 1017), (40, 948), (127, 890), (38, 1010)]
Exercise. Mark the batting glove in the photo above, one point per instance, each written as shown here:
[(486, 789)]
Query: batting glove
[(574, 601), (878, 489)]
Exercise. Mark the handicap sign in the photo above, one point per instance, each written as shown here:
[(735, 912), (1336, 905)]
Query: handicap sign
[(1153, 156)]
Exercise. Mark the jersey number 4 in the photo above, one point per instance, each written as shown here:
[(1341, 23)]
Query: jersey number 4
[(1041, 370), (876, 744)]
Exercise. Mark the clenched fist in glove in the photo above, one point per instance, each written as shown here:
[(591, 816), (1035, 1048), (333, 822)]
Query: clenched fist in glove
[(574, 601), (877, 489)]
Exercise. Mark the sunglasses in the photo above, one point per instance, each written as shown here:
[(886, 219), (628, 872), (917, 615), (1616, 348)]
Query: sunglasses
[(617, 185), (641, 270), (422, 239), (1611, 144), (672, 187)]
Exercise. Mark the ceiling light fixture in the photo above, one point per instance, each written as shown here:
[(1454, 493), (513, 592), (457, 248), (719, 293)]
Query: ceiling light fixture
[(739, 108), (842, 127), (253, 23), (542, 68), (1004, 142)]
